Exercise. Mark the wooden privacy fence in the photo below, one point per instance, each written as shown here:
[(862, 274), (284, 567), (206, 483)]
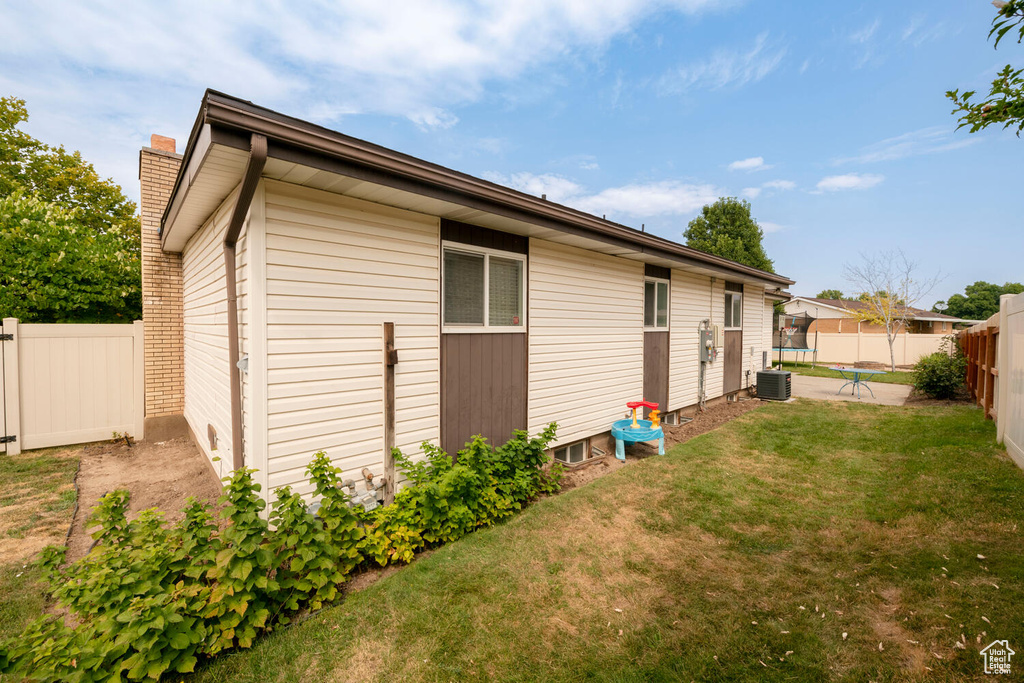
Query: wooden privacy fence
[(979, 346), (995, 371), (68, 384)]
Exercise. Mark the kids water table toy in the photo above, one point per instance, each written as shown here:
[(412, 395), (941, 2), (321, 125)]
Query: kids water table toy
[(632, 430)]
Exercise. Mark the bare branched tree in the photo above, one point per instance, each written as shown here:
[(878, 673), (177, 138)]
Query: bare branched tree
[(891, 286)]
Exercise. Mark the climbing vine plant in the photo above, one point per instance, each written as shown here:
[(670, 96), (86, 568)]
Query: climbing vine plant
[(150, 599)]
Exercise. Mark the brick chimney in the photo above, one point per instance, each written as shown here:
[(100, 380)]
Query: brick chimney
[(162, 307)]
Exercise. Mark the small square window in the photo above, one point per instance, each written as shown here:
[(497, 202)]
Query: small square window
[(464, 288), (656, 304), (506, 292), (733, 310), (649, 303), (662, 304), (482, 289), (572, 454)]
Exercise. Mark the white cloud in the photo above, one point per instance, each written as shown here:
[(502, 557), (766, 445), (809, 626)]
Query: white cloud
[(915, 143), (751, 164), (100, 76), (755, 192), (724, 68), (768, 226), (917, 33), (590, 165), (850, 181), (492, 145), (648, 199), (864, 34), (668, 197), (863, 40), (558, 189)]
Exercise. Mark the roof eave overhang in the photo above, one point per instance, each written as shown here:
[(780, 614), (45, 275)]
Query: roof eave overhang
[(229, 121)]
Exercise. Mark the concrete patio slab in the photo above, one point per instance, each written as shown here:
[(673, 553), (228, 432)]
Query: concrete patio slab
[(825, 388)]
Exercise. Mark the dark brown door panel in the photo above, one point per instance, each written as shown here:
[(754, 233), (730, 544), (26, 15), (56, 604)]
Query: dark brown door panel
[(483, 387), (656, 369), (733, 361)]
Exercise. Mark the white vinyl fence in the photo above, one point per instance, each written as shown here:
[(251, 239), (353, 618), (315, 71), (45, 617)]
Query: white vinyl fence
[(1010, 380), (850, 347), (68, 384), (995, 371)]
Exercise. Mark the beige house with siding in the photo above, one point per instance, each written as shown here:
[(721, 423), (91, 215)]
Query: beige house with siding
[(841, 336), (380, 299)]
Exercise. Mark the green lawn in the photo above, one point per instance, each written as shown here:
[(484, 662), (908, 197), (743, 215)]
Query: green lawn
[(37, 498), (743, 554), (821, 370)]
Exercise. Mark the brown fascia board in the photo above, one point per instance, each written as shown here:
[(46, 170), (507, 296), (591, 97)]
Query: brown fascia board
[(311, 145)]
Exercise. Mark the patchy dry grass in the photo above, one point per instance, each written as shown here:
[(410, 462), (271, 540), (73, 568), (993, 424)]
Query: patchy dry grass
[(37, 498), (744, 554)]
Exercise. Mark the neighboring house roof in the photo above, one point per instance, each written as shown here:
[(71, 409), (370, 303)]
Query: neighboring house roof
[(305, 153), (780, 295), (856, 307)]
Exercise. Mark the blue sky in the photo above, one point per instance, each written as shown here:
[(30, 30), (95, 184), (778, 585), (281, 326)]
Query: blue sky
[(829, 117)]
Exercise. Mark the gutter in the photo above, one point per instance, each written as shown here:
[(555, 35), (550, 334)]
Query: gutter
[(251, 179), (233, 114)]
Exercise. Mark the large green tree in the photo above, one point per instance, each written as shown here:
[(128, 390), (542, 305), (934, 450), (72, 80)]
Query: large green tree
[(69, 240), (727, 229), (1005, 102), (830, 294), (979, 301)]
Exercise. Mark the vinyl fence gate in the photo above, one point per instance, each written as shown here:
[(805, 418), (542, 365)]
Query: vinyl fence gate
[(69, 384)]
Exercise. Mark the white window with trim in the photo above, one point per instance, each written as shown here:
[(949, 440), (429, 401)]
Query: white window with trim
[(572, 454), (483, 290), (656, 292), (733, 310)]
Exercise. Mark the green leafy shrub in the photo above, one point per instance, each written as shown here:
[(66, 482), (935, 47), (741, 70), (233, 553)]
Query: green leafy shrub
[(941, 374), (150, 599), (446, 499)]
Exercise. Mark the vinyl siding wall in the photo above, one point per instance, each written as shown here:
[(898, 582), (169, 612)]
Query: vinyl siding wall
[(337, 269), (716, 370), (691, 303), (585, 338), (207, 387), (753, 333)]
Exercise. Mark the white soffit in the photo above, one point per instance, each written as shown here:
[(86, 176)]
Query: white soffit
[(306, 176), (205, 186), (221, 170)]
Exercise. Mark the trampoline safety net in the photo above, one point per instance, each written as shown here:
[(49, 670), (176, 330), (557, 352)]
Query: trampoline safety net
[(792, 332)]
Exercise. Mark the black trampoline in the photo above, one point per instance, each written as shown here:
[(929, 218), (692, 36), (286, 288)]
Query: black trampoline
[(792, 336)]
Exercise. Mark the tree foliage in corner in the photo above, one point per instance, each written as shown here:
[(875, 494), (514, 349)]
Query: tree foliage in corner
[(69, 240), (1005, 102), (727, 229), (979, 301)]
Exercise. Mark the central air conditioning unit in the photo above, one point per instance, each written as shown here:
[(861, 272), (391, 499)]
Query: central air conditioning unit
[(774, 385)]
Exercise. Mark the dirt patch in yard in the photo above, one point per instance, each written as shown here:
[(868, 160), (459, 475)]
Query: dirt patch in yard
[(711, 419), (161, 475), (37, 496), (918, 399)]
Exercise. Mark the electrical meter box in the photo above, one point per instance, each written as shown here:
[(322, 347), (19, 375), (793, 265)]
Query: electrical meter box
[(708, 352)]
